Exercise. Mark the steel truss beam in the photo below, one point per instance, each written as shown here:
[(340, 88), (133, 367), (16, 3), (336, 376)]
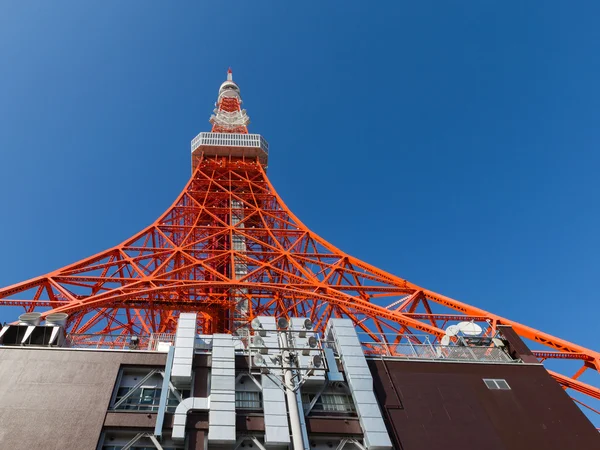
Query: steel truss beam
[(186, 261)]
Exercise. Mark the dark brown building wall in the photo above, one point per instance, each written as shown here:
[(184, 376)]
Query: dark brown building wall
[(57, 399), (196, 429), (130, 420), (333, 426), (447, 405)]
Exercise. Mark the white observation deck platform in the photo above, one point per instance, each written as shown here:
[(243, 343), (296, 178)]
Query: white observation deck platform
[(234, 145)]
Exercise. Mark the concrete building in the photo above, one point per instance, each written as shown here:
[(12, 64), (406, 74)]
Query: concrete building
[(190, 335), (284, 386)]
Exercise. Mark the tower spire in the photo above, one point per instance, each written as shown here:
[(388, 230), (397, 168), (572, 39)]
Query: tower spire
[(229, 117)]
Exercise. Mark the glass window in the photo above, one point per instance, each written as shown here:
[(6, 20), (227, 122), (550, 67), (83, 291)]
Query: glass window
[(248, 400), (490, 384), (145, 397), (117, 440), (494, 383), (502, 384), (136, 447), (329, 402)]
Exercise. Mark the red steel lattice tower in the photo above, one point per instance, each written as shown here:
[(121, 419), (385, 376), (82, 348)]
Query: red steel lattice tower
[(229, 249)]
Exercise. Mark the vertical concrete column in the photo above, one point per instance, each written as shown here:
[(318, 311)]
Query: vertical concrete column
[(181, 375), (360, 382), (277, 431), (221, 416)]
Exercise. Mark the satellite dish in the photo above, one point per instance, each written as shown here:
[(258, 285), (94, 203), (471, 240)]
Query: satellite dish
[(259, 360), (256, 325), (312, 341), (470, 328), (445, 340), (259, 342), (306, 326), (282, 323), (452, 330), (317, 361)]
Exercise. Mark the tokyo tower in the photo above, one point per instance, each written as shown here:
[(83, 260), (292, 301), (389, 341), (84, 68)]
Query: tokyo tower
[(229, 249)]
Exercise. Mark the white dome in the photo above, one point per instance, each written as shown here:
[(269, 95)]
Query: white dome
[(229, 85)]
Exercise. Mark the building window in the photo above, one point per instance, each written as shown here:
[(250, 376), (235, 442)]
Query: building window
[(248, 400), (131, 396), (135, 447), (118, 440), (493, 383), (337, 403), (143, 399)]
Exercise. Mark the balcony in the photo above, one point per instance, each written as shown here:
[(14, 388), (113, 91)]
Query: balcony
[(234, 145)]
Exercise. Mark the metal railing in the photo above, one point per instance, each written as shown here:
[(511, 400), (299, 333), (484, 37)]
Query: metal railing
[(230, 140), (420, 347), (119, 341), (160, 338), (105, 341)]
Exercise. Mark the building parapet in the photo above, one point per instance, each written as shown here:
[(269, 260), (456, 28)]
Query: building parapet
[(420, 349)]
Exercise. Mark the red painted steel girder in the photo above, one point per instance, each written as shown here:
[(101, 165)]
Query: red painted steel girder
[(185, 261), (230, 249)]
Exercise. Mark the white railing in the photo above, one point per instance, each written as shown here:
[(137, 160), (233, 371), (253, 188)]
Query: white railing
[(118, 341), (158, 338), (420, 347), (230, 140), (106, 341)]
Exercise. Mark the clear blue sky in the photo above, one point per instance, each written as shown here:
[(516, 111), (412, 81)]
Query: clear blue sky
[(454, 144)]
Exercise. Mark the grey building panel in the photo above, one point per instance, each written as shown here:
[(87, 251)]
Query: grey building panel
[(221, 428), (184, 349), (277, 432), (360, 382), (181, 374)]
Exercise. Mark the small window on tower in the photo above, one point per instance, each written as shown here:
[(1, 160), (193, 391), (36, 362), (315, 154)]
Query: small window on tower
[(496, 383)]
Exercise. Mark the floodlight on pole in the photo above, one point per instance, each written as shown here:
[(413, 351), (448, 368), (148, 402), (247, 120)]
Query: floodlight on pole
[(259, 342), (282, 323), (257, 326), (317, 361), (306, 326), (311, 344)]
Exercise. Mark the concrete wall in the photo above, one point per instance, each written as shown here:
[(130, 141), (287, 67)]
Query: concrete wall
[(447, 405), (58, 399)]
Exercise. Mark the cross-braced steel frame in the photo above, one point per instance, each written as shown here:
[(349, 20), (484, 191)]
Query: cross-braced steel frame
[(230, 249), (185, 261)]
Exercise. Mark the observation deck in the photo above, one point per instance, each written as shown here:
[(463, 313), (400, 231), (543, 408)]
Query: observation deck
[(234, 145)]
